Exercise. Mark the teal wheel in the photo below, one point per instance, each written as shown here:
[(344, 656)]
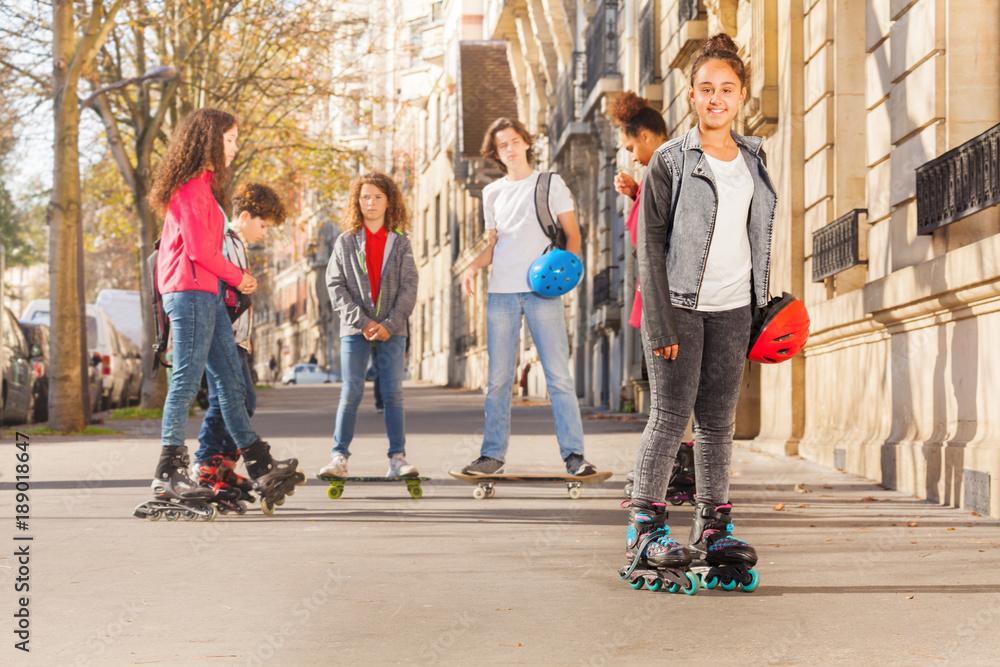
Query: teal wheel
[(709, 581), (754, 581), (729, 584), (654, 584), (693, 588), (637, 583), (673, 588)]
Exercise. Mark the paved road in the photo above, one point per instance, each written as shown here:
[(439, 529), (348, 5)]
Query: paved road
[(850, 573)]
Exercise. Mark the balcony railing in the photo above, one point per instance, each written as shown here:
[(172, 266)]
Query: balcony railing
[(603, 284), (688, 10), (647, 43), (963, 181), (602, 44), (836, 246), (567, 98)]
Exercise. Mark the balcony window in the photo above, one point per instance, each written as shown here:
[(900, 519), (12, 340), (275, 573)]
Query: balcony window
[(836, 246)]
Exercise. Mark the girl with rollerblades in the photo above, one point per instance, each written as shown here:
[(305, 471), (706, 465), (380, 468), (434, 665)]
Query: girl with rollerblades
[(704, 244), (372, 280), (191, 190)]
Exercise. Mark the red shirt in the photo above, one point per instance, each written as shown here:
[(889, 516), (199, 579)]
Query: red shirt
[(374, 250), (635, 319)]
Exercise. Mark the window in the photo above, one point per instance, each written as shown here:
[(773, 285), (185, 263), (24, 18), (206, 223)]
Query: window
[(437, 219)]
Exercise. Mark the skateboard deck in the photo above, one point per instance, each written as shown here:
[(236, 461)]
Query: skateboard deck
[(337, 484), (485, 483)]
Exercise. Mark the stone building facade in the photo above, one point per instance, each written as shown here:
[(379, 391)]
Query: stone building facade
[(879, 119)]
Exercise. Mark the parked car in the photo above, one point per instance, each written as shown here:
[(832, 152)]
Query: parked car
[(16, 398), (100, 342), (37, 338), (129, 393), (124, 307), (308, 374)]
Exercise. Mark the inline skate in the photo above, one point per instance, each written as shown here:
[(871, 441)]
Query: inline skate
[(681, 487), (719, 558), (228, 470), (212, 475), (175, 495), (655, 560), (272, 479)]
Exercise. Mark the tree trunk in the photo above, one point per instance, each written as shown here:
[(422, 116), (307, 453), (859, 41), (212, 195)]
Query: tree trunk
[(68, 387)]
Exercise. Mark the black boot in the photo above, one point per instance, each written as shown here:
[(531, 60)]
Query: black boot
[(171, 480), (660, 551), (726, 559)]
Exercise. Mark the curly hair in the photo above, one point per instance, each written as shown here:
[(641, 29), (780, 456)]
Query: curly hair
[(720, 47), (396, 218), (489, 149), (195, 145), (635, 114), (260, 201)]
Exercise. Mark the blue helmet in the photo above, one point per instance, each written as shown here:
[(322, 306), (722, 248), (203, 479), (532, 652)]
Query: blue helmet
[(555, 273)]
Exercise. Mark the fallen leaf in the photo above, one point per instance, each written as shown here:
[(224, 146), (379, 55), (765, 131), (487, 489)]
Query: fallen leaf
[(908, 597), (912, 524), (803, 505), (779, 507), (225, 607), (952, 528), (802, 488), (514, 645), (975, 513), (827, 486), (869, 499)]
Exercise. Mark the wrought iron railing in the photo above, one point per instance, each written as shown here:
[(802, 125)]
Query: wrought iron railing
[(647, 43), (602, 44), (963, 181), (688, 10), (564, 112), (836, 246)]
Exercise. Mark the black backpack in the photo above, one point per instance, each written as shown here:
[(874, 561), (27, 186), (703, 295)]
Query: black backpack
[(549, 224), (160, 320)]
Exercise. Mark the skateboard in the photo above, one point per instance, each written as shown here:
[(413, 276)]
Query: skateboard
[(337, 484), (486, 482)]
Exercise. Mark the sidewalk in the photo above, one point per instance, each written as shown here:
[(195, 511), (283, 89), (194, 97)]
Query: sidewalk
[(850, 573)]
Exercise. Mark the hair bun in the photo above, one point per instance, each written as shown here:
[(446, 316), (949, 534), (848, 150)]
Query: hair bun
[(626, 106), (720, 42)]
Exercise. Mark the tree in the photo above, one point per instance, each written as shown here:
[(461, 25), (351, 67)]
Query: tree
[(74, 47)]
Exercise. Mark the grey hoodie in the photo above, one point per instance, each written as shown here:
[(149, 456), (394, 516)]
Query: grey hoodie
[(351, 292)]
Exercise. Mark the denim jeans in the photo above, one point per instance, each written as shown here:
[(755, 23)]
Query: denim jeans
[(705, 377), (389, 358), (203, 338), (213, 437), (547, 324)]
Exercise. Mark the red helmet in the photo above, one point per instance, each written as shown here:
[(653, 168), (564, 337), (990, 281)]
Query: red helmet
[(779, 331)]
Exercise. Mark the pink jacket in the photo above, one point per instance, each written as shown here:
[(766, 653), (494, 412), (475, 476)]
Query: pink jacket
[(635, 319), (190, 257)]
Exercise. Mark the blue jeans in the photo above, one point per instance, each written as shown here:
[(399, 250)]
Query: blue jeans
[(203, 338), (389, 358), (213, 436), (548, 329)]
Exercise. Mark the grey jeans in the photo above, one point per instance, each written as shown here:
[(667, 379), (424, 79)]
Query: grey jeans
[(705, 377)]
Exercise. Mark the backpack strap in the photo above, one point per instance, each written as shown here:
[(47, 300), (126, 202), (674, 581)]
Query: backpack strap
[(549, 223)]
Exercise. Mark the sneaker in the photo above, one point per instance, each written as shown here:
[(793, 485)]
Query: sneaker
[(484, 465), (398, 467), (577, 466), (379, 411), (337, 467)]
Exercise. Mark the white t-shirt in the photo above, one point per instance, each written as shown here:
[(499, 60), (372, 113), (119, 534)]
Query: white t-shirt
[(509, 208), (726, 283)]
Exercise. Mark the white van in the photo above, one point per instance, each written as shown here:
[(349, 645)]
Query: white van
[(100, 341), (125, 309)]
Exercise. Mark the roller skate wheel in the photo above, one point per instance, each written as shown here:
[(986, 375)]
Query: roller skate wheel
[(637, 583), (416, 492), (729, 584), (300, 478), (212, 513), (654, 584), (171, 515), (754, 581), (673, 588), (242, 508), (709, 581), (675, 502), (334, 492), (575, 492), (492, 492), (693, 588), (628, 490), (279, 502), (190, 516), (479, 493), (154, 515), (266, 507)]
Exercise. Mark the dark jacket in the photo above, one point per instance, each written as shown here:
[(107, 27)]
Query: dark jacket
[(677, 209)]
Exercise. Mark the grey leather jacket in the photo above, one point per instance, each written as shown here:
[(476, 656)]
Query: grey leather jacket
[(351, 292), (676, 220)]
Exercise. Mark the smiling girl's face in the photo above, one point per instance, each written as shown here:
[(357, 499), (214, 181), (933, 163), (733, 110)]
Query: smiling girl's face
[(717, 94)]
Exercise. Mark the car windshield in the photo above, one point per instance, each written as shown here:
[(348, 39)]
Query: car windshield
[(41, 316)]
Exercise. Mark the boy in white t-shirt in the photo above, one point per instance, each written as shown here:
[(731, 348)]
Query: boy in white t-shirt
[(515, 241)]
